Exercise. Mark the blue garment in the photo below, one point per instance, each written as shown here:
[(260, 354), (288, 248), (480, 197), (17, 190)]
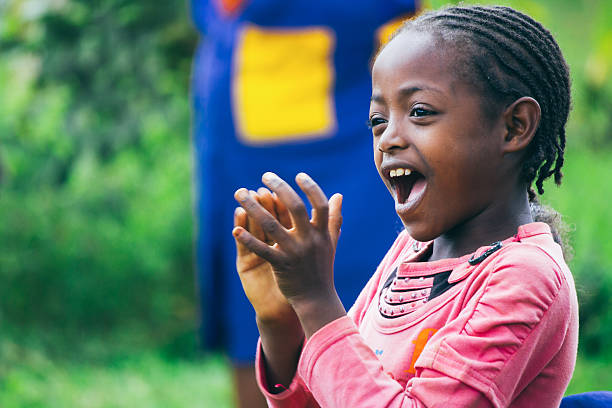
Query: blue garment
[(593, 399), (237, 138)]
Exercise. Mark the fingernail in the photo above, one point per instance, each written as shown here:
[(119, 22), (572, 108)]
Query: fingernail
[(267, 176), (302, 177), (241, 194)]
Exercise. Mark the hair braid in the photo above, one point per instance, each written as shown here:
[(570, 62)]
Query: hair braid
[(539, 152), (551, 146), (551, 43), (560, 70), (536, 43), (557, 68)]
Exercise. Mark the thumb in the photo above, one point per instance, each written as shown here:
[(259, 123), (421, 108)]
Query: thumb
[(240, 221), (335, 217)]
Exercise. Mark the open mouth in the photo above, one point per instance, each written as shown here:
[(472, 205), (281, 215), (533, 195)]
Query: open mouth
[(403, 182)]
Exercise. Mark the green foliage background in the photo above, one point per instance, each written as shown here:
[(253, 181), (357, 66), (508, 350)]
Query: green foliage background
[(96, 218), (96, 231)]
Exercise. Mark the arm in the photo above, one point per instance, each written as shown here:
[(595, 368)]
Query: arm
[(278, 325), (281, 332), (266, 229)]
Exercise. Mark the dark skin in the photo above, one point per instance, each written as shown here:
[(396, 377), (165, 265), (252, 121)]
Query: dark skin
[(469, 194)]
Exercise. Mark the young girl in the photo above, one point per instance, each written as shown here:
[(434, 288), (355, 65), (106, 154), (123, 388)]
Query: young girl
[(473, 305)]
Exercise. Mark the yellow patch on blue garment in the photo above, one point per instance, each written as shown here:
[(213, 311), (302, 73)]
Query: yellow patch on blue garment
[(283, 86)]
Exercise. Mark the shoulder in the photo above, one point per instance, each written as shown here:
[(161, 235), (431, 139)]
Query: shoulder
[(529, 266), (534, 257), (520, 285)]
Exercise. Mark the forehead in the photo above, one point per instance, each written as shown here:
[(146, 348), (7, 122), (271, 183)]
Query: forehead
[(414, 56)]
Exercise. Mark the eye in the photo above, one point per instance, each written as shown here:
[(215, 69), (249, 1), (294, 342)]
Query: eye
[(420, 112), (375, 121)]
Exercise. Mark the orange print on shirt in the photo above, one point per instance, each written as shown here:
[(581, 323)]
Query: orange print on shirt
[(419, 345)]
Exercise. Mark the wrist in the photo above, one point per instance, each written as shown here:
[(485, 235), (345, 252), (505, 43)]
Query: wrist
[(315, 312), (280, 321), (281, 344)]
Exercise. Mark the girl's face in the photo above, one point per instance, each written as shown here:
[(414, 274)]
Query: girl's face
[(433, 147)]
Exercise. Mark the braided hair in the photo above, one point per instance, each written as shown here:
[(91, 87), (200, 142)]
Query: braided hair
[(506, 55)]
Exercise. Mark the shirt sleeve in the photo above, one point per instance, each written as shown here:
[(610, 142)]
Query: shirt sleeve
[(296, 396), (509, 330)]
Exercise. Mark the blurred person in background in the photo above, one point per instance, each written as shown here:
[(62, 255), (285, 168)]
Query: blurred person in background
[(281, 85)]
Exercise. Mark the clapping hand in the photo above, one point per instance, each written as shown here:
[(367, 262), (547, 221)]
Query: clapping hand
[(256, 273), (299, 249)]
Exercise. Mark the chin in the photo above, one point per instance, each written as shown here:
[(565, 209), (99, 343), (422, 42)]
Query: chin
[(421, 231)]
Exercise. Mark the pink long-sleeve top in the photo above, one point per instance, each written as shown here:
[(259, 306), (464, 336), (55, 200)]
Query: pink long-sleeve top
[(501, 330)]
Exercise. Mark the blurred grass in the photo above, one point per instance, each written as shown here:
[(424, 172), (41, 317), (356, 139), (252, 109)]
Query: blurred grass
[(141, 380), (591, 375), (584, 201)]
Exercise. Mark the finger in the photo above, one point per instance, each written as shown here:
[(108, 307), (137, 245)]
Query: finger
[(335, 217), (252, 226), (258, 214), (266, 199), (265, 251), (283, 213), (317, 199), (240, 220), (291, 200)]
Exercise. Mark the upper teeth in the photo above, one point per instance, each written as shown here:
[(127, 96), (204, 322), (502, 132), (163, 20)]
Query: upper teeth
[(400, 172)]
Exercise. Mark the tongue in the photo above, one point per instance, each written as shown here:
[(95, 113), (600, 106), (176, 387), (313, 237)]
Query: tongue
[(417, 189)]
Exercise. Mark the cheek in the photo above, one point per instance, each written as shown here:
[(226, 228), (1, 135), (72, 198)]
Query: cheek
[(456, 172), (377, 162), (377, 155), (465, 177)]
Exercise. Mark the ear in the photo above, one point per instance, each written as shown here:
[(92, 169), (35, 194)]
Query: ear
[(522, 119)]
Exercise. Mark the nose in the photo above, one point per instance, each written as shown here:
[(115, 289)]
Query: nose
[(392, 139)]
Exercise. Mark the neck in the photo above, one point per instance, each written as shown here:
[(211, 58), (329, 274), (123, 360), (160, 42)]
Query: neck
[(496, 222)]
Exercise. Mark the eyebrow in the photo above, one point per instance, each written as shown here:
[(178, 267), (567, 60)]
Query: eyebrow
[(404, 92)]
